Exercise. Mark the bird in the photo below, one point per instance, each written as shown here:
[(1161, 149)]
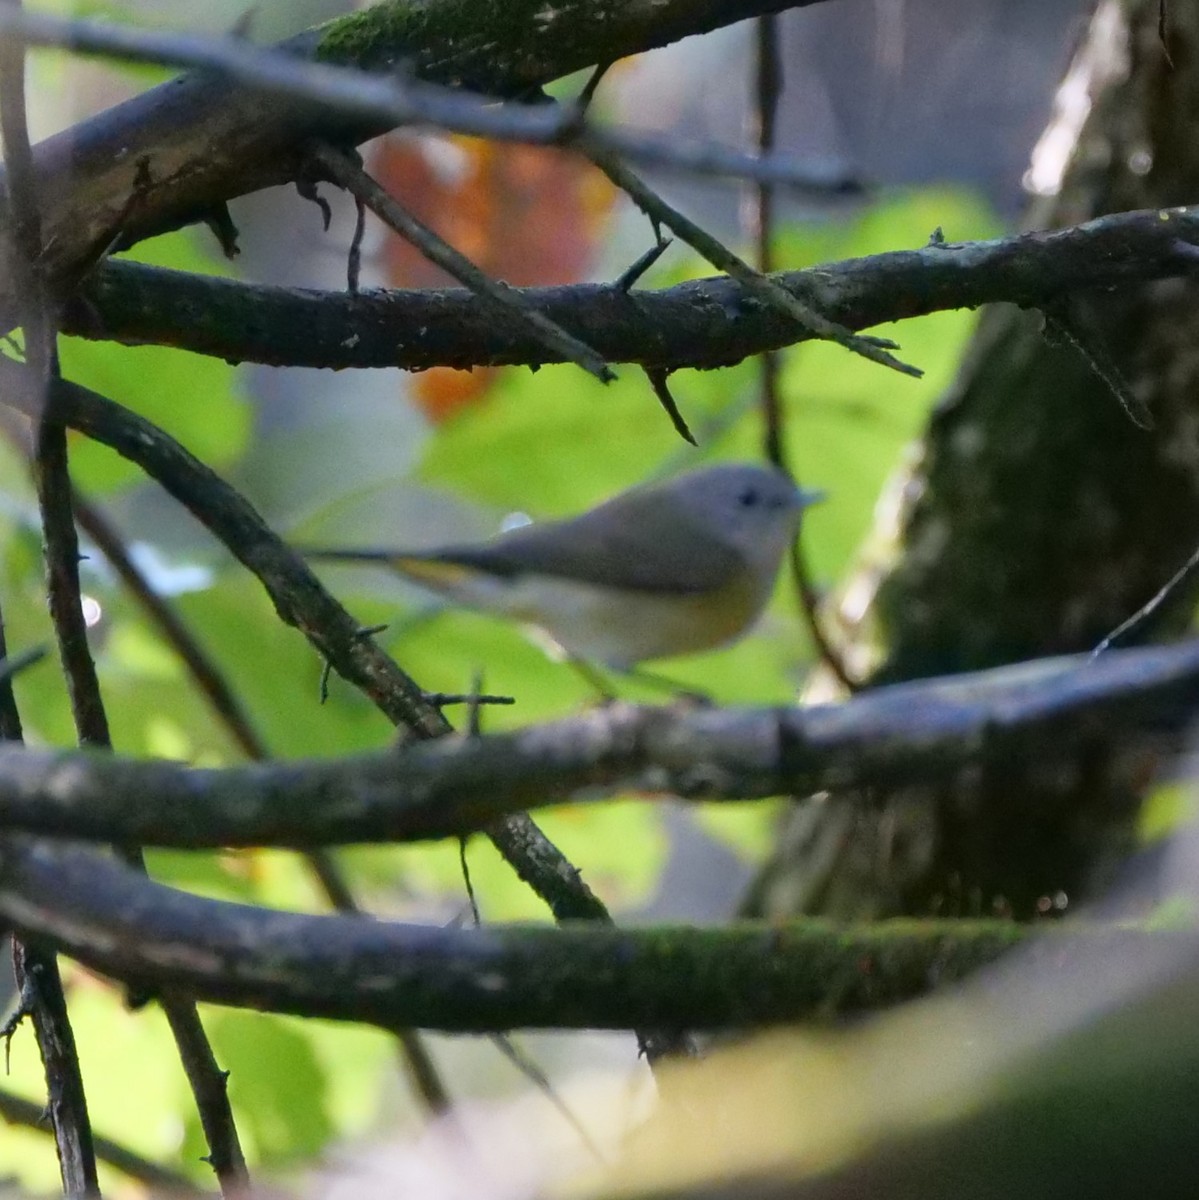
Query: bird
[(661, 570)]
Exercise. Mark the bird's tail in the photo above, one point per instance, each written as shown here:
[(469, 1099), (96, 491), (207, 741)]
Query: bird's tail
[(319, 553), (440, 574)]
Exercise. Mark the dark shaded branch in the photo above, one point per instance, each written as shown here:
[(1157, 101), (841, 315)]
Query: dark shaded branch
[(703, 323), (209, 1085), (52, 476), (402, 99), (543, 867), (42, 997), (761, 220), (36, 969), (1137, 625), (180, 150), (16, 1110), (489, 979), (755, 286), (503, 303), (207, 1080), (497, 978), (928, 730), (11, 665)]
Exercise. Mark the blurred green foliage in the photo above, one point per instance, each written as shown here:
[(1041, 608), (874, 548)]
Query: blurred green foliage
[(547, 443)]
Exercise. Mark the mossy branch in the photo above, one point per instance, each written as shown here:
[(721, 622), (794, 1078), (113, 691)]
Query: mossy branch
[(495, 978), (177, 153)]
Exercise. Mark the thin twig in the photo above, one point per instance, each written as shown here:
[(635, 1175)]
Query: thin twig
[(1142, 617), (12, 665), (354, 254), (1064, 325), (396, 99), (541, 1081), (637, 268), (768, 88), (464, 866), (202, 668), (524, 1064), (582, 102), (1163, 30), (52, 478), (44, 1000), (508, 303), (16, 1110), (769, 80), (810, 602), (658, 381), (474, 699), (36, 967), (720, 256)]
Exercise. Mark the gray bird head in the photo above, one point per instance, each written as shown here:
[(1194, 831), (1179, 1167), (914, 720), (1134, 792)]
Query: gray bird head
[(756, 509)]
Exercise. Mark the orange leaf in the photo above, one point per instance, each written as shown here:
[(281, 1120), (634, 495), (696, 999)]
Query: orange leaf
[(441, 391), (524, 214)]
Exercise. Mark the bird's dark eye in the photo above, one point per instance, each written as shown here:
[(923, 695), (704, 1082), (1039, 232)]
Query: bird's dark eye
[(748, 498)]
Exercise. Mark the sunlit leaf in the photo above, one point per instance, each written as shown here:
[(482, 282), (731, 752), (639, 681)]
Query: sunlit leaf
[(195, 398), (277, 1085)]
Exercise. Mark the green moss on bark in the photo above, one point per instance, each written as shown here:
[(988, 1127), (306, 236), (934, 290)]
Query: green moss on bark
[(497, 46)]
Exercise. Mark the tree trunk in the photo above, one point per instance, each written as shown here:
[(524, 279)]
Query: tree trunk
[(1038, 518)]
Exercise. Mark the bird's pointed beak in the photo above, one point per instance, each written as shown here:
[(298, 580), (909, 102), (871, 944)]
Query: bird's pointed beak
[(809, 496)]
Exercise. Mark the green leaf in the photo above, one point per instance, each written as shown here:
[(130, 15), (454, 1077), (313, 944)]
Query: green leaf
[(194, 397), (277, 1085)]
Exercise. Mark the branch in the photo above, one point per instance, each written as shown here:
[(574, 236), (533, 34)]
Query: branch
[(930, 730), (704, 323), (485, 980), (207, 1081), (504, 304), (757, 287), (477, 980), (16, 1110), (35, 967), (181, 150)]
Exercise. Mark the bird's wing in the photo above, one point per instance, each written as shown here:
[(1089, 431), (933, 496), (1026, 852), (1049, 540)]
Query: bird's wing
[(637, 550)]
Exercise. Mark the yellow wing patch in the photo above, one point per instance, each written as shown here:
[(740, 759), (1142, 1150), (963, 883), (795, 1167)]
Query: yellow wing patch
[(430, 571)]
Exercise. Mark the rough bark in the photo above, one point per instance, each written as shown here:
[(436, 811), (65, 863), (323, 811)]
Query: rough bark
[(703, 323), (177, 153), (1038, 518), (930, 730)]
